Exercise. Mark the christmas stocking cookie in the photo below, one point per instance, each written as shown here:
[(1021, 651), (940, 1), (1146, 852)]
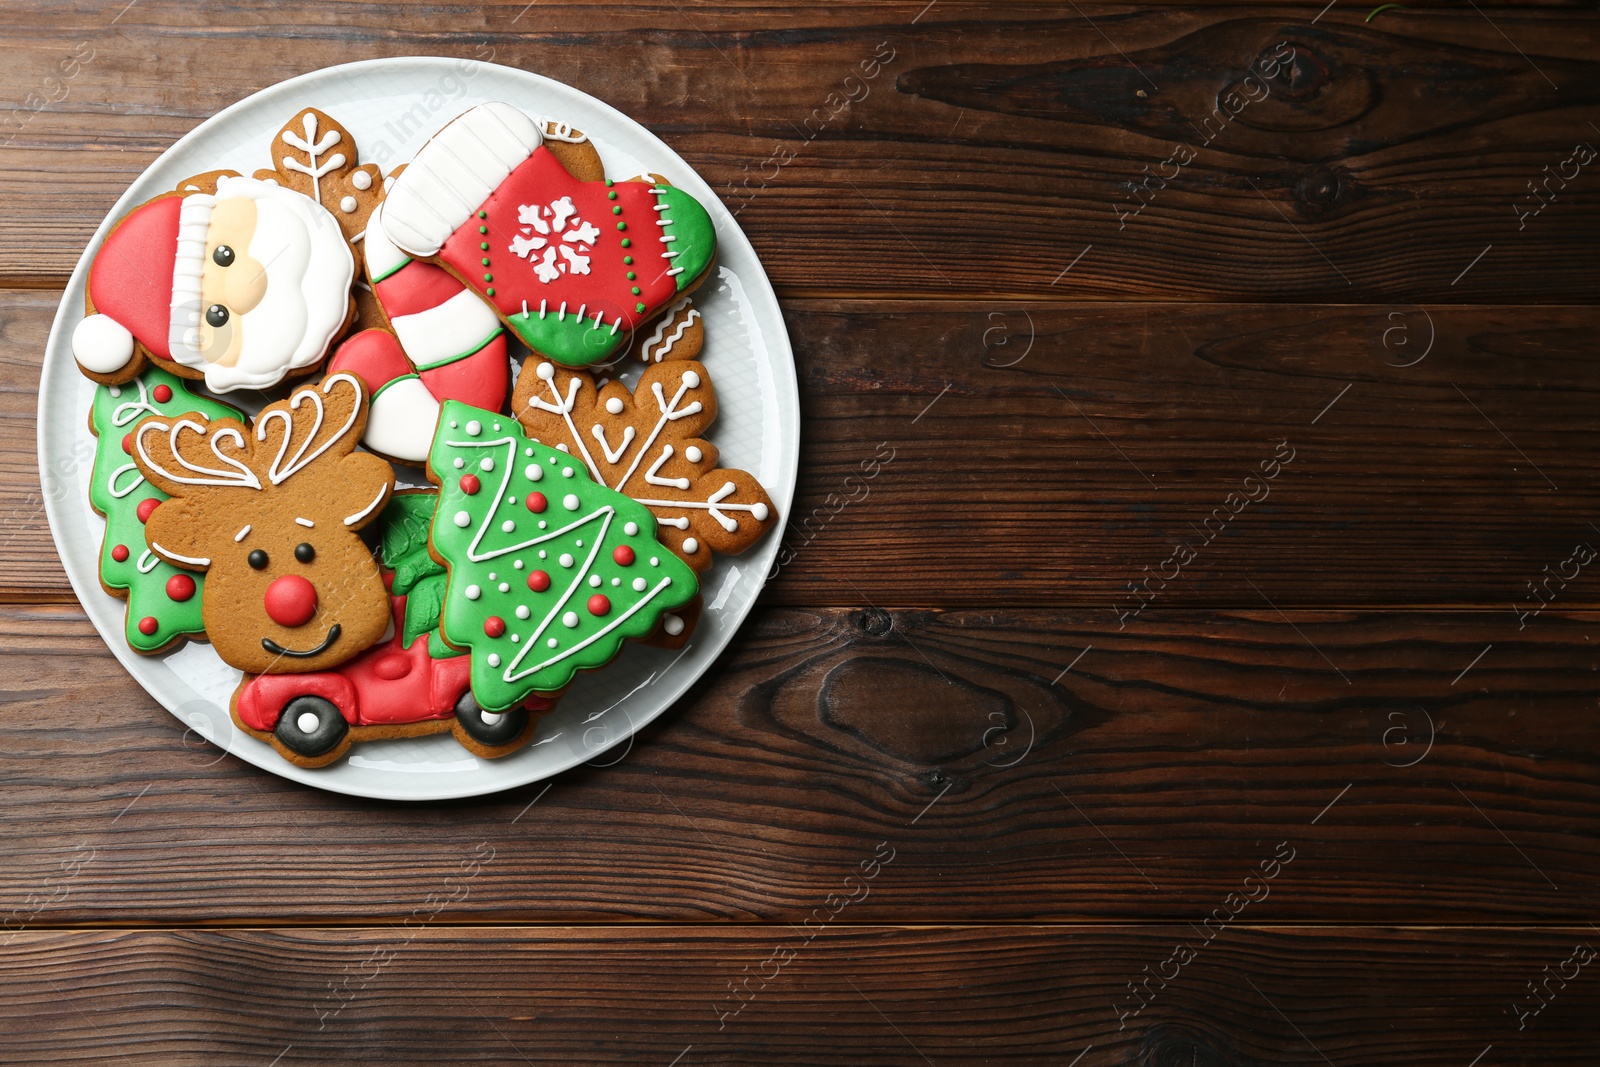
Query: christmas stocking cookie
[(573, 267), (648, 444)]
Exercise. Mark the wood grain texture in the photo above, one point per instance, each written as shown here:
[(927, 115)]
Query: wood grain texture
[(1018, 766), (971, 148), (994, 455), (859, 995)]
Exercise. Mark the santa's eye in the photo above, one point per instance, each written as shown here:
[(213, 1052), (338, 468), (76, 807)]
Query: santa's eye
[(304, 552), (217, 315), (223, 256), (257, 559)]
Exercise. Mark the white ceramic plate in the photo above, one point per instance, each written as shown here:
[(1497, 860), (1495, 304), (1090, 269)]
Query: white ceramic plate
[(747, 352)]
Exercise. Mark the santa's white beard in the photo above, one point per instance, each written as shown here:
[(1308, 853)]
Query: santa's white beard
[(309, 269)]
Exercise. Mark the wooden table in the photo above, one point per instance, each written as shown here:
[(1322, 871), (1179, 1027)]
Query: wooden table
[(1188, 650)]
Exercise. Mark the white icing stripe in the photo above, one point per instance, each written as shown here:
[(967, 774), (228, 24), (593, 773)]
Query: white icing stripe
[(457, 327), (147, 562), (401, 420), (240, 536), (231, 473), (383, 258), (111, 483), (194, 218), (181, 559), (455, 172), (306, 523), (659, 341), (351, 520)]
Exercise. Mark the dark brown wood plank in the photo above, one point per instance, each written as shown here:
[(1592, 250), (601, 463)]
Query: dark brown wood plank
[(1015, 765), (860, 995), (991, 146), (993, 454)]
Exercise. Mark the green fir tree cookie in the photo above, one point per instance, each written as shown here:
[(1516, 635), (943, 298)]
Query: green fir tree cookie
[(549, 572), (163, 600)]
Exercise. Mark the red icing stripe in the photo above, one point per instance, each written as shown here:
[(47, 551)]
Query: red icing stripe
[(481, 379), (415, 287)]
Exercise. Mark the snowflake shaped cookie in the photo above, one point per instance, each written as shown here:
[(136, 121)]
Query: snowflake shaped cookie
[(554, 239)]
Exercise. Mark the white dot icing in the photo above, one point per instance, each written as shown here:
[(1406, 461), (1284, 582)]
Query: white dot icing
[(460, 463), (474, 428), (760, 512), (631, 529), (570, 619), (522, 611), (595, 580), (690, 545), (486, 464), (348, 205), (493, 659), (507, 526), (693, 454), (566, 472), (505, 588), (361, 180), (570, 502), (614, 406), (691, 379), (463, 519), (640, 585), (673, 625), (473, 592), (565, 559), (553, 643)]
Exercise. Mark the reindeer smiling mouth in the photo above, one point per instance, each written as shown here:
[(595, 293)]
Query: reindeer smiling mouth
[(278, 650)]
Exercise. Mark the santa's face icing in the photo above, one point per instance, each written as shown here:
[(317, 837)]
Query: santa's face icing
[(271, 290)]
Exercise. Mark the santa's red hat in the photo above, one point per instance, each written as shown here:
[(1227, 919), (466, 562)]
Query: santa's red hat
[(144, 283)]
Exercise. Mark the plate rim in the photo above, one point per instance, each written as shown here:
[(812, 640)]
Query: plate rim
[(779, 351)]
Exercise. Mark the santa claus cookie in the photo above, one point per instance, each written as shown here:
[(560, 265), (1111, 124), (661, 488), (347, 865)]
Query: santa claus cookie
[(572, 267), (241, 288), (649, 445)]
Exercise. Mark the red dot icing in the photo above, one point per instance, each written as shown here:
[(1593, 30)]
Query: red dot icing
[(120, 553), (599, 604), (148, 626), (291, 600), (537, 502), (494, 626), (127, 443), (623, 555), (180, 587), (538, 581), (470, 484), (162, 393), (146, 506)]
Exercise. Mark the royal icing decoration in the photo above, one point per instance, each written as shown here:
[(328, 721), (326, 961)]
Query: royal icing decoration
[(647, 444), (572, 266), (660, 343), (567, 627), (163, 604)]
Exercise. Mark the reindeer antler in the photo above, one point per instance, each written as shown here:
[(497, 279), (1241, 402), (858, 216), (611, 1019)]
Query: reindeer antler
[(170, 459), (278, 471)]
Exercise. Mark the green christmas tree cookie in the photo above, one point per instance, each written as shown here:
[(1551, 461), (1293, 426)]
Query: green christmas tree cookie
[(548, 572), (163, 600)]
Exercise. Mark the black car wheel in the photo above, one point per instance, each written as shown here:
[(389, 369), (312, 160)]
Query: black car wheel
[(487, 727), (311, 726)]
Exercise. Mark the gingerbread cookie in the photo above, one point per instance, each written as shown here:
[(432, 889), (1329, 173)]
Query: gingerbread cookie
[(241, 287), (549, 572), (163, 600), (410, 685), (572, 267), (270, 512), (648, 444), (574, 151), (315, 155), (679, 333)]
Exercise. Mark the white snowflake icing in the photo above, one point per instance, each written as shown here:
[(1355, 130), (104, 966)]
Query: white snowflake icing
[(549, 234)]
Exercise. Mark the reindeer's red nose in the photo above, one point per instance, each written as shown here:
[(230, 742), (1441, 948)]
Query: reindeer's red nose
[(291, 600)]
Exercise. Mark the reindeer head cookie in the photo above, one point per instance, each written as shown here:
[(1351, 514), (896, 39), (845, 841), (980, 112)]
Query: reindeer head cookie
[(270, 513)]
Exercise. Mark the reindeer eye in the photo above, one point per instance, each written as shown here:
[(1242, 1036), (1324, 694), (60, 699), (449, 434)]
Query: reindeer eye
[(257, 559), (304, 552), (217, 315), (223, 256)]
